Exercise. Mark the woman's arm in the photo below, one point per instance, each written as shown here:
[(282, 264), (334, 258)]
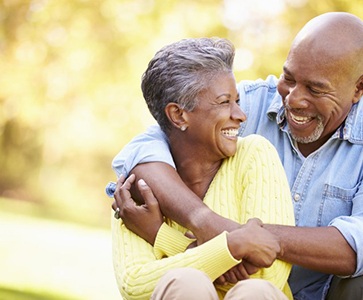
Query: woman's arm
[(137, 270)]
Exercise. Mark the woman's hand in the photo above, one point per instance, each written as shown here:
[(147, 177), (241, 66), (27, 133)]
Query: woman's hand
[(144, 220), (254, 244)]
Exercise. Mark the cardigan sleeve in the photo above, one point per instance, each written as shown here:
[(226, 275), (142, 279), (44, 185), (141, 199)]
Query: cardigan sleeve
[(137, 269), (170, 241)]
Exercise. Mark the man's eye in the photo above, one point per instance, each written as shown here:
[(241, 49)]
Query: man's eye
[(287, 79), (316, 92)]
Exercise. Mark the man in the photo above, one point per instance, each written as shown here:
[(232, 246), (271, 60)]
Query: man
[(314, 117)]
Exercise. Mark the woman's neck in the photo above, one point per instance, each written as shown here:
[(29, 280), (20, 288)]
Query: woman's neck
[(194, 168)]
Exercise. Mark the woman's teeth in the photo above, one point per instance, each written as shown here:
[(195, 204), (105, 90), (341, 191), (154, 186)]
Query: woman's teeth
[(230, 132)]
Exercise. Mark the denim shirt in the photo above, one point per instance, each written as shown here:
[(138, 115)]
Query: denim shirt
[(326, 187)]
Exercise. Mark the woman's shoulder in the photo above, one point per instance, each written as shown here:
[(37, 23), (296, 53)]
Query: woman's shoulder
[(253, 141)]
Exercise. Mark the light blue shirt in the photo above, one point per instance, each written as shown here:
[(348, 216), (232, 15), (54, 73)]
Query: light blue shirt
[(326, 187)]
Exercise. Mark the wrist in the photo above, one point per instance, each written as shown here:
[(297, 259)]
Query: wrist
[(201, 223), (236, 246), (274, 229)]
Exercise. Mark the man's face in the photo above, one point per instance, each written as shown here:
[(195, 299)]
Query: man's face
[(317, 95)]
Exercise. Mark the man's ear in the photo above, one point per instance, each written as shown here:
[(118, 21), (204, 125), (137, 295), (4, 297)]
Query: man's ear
[(176, 115), (358, 90)]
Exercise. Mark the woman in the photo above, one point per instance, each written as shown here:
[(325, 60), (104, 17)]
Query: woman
[(190, 90)]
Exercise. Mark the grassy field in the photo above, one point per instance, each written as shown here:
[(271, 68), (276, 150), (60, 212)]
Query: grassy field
[(46, 259)]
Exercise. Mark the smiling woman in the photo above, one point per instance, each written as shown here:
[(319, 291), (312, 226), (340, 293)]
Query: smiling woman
[(211, 141), (190, 90)]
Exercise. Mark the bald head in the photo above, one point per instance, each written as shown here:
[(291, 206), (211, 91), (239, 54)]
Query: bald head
[(333, 37), (333, 23)]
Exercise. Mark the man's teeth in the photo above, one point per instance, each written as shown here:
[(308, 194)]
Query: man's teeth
[(300, 120), (230, 132)]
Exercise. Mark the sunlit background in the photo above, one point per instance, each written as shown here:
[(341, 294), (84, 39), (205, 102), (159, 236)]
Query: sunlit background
[(70, 99)]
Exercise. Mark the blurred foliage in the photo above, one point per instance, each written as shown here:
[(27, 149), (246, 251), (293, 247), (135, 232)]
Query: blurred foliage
[(70, 86)]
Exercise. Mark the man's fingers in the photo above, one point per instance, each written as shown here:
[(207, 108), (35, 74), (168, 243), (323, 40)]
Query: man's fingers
[(256, 221), (231, 276), (221, 280), (250, 268)]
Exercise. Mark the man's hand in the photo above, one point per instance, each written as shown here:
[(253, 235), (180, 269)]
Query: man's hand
[(144, 220), (240, 272), (254, 244)]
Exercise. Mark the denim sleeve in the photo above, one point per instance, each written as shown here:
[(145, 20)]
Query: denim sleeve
[(151, 146), (351, 228)]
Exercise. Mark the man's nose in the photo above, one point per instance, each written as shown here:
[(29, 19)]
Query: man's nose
[(296, 97)]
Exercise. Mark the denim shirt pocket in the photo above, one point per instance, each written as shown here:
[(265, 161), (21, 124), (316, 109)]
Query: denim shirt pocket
[(337, 201)]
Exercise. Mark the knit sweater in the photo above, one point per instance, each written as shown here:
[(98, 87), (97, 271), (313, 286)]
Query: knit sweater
[(250, 184)]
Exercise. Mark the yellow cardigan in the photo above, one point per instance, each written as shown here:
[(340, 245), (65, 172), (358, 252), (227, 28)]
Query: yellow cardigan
[(250, 184)]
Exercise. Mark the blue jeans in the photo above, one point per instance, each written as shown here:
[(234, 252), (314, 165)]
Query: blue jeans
[(346, 289)]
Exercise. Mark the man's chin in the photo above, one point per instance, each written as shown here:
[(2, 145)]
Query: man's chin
[(312, 137), (305, 139)]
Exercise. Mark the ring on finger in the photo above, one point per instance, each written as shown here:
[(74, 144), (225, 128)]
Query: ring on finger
[(117, 213)]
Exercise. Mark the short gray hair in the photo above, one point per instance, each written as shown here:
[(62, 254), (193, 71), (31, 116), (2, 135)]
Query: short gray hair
[(180, 71)]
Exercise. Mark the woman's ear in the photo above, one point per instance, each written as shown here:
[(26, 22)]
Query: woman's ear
[(176, 116)]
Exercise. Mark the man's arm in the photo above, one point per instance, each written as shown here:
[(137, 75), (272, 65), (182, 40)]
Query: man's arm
[(323, 249), (180, 204), (251, 241)]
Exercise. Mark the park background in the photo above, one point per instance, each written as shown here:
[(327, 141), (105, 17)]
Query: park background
[(70, 99)]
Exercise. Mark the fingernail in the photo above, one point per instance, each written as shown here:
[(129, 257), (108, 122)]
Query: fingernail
[(142, 182)]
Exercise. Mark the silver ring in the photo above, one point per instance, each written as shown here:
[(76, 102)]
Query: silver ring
[(117, 213)]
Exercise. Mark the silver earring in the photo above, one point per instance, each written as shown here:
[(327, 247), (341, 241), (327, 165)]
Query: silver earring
[(183, 127)]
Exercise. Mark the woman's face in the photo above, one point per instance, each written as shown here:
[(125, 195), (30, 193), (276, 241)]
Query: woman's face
[(213, 125)]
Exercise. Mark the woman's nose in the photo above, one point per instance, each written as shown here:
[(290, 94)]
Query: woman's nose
[(237, 113)]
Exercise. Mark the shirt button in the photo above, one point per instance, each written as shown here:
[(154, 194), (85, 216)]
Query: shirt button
[(296, 197)]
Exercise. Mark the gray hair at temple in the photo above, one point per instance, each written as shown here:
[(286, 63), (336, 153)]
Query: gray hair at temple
[(180, 71)]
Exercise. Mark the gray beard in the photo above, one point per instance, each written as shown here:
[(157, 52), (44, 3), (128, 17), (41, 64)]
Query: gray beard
[(311, 138)]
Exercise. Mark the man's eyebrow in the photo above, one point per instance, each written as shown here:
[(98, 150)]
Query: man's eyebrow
[(318, 84), (286, 70)]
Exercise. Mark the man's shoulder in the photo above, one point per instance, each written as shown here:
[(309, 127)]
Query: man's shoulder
[(270, 83), (354, 124), (259, 97)]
